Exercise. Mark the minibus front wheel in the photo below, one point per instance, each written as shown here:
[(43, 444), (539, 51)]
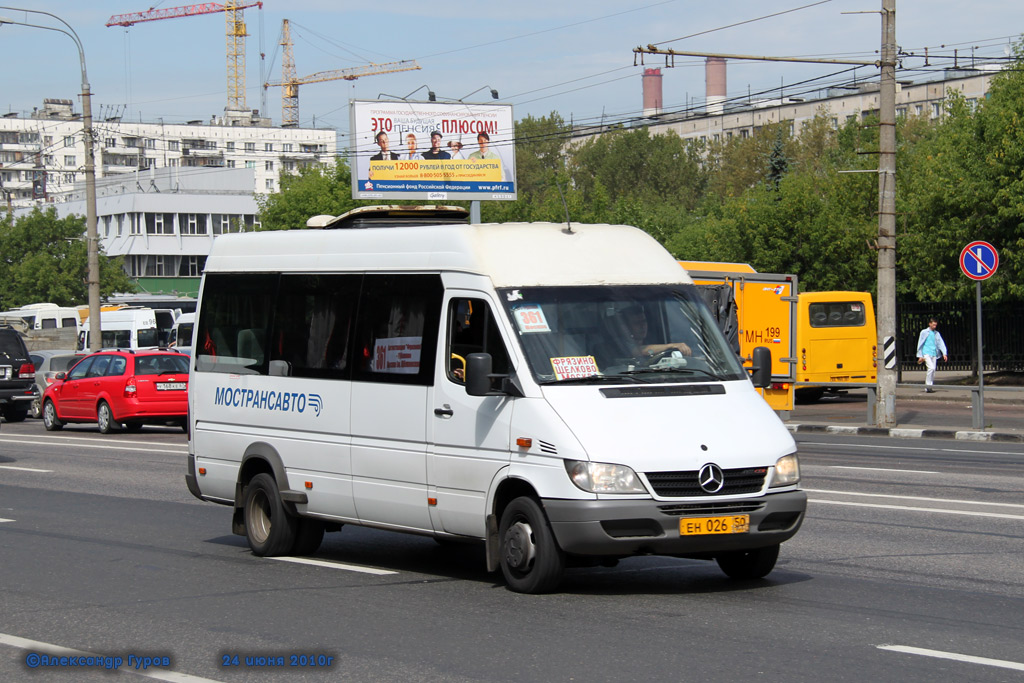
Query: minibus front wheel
[(531, 560), (269, 528)]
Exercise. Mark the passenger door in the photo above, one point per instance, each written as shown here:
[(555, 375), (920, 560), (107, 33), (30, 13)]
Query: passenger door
[(93, 385), (395, 347), (69, 401), (471, 435)]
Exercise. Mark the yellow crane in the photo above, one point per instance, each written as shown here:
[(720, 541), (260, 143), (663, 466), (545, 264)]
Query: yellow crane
[(235, 37), (290, 83)]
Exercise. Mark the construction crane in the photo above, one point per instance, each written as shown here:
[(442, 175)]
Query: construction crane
[(235, 37), (290, 82)]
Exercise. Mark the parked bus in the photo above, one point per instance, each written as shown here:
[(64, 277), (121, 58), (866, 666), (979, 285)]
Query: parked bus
[(124, 328), (837, 343), (550, 391)]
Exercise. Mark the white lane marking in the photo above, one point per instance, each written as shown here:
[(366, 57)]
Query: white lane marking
[(111, 446), (6, 520), (966, 513), (970, 659), (22, 469), (930, 500), (334, 565), (50, 437), (878, 469), (51, 649), (907, 448)]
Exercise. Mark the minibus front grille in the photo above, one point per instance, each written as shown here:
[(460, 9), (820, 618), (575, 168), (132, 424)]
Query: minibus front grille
[(700, 509), (686, 484)]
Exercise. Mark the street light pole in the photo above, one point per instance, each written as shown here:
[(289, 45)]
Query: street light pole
[(91, 233)]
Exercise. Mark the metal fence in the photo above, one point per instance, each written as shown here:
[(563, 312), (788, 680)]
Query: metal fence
[(1002, 329)]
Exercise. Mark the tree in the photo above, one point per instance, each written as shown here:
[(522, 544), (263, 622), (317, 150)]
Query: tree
[(314, 190), (45, 259)]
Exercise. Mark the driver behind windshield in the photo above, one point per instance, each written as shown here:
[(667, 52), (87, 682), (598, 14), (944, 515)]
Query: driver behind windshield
[(634, 320)]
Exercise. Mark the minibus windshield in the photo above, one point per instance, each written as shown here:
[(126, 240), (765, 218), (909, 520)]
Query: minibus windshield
[(636, 333)]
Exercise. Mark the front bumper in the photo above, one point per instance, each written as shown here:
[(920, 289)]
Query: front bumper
[(639, 527)]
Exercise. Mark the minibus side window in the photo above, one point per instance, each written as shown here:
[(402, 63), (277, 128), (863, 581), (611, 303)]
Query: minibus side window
[(313, 325), (472, 329), (234, 323), (397, 328)]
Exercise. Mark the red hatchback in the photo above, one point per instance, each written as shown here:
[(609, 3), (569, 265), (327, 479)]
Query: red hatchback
[(126, 387)]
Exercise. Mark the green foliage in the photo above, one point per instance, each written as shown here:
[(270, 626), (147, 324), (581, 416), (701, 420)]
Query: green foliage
[(314, 190), (45, 259)]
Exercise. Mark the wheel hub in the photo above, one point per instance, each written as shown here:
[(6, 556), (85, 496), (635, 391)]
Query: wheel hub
[(519, 547)]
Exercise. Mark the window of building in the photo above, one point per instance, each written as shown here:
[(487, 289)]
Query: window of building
[(229, 146), (48, 140), (268, 146), (120, 224), (288, 165), (936, 109), (156, 265), (918, 109), (106, 226), (268, 165), (191, 266), (159, 223), (224, 223), (48, 160), (250, 147), (150, 143), (69, 141), (192, 223), (270, 183), (250, 164), (110, 142), (69, 160), (173, 162), (173, 145), (229, 163), (286, 147)]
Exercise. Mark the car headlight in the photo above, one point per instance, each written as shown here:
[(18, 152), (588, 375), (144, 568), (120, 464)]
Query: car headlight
[(600, 477), (787, 471)]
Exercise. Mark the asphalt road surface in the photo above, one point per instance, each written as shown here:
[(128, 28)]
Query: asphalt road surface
[(909, 567)]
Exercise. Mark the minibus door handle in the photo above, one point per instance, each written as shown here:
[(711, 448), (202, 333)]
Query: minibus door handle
[(446, 411)]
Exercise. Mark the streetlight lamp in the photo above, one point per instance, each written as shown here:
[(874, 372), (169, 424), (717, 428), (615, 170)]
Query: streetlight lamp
[(91, 234), (494, 93)]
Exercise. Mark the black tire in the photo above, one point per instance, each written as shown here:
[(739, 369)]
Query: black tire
[(133, 427), (748, 564), (14, 413), (531, 560), (269, 528), (105, 418), (308, 536), (810, 395), (50, 419), (35, 410)]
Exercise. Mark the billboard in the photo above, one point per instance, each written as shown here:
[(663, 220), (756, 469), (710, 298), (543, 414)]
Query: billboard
[(432, 151)]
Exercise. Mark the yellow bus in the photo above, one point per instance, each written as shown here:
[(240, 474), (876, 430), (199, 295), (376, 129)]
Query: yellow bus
[(837, 343)]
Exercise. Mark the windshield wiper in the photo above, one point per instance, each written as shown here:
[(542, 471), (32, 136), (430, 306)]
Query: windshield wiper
[(598, 379)]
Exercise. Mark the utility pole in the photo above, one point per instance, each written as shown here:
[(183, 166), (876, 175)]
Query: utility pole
[(885, 408), (885, 405)]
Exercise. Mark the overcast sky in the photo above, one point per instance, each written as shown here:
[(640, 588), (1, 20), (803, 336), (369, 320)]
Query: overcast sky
[(574, 57)]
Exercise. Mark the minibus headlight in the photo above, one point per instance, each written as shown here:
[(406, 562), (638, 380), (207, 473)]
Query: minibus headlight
[(787, 471), (599, 477)]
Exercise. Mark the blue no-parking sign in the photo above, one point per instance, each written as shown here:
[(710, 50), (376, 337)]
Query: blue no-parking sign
[(979, 260)]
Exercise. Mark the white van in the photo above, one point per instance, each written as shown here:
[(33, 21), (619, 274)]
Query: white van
[(486, 383), (126, 328), (46, 316), (181, 333)]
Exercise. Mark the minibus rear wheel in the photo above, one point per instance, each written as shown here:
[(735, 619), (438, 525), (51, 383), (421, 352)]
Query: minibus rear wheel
[(269, 528), (531, 560), (749, 564)]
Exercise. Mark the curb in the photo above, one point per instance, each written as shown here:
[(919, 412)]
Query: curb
[(906, 432)]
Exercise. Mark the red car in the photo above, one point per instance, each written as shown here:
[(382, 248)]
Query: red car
[(118, 387)]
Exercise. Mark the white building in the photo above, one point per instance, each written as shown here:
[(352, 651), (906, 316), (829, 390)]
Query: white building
[(163, 221), (42, 156)]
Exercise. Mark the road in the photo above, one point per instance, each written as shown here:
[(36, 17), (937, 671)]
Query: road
[(909, 567)]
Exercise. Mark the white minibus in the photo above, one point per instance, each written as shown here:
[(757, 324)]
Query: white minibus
[(45, 316), (558, 393), (181, 333), (125, 328)]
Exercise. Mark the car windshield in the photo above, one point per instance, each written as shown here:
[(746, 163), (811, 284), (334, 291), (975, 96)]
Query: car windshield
[(636, 333)]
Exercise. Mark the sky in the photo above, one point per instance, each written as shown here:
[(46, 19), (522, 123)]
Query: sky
[(572, 57)]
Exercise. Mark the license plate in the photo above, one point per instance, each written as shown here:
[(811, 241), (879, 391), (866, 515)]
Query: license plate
[(171, 386), (700, 526)]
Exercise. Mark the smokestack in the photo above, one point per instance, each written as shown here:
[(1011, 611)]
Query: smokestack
[(652, 92), (714, 77)]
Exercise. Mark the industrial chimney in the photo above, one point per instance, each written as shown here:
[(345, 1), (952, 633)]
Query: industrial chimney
[(714, 77), (653, 101)]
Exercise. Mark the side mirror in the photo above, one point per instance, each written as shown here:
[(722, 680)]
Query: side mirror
[(60, 375), (478, 374), (761, 371)]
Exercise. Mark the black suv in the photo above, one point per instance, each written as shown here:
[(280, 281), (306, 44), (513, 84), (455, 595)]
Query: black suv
[(17, 376)]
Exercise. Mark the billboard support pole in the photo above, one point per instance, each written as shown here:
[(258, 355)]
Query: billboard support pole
[(474, 211)]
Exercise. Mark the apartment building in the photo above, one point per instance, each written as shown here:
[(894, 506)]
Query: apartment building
[(42, 155)]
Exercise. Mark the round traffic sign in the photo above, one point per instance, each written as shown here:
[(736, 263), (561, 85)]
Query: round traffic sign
[(979, 260)]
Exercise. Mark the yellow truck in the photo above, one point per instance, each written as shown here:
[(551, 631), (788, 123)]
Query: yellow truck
[(754, 309), (837, 343)]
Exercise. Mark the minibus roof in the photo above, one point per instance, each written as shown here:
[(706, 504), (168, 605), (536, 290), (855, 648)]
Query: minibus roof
[(511, 254)]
